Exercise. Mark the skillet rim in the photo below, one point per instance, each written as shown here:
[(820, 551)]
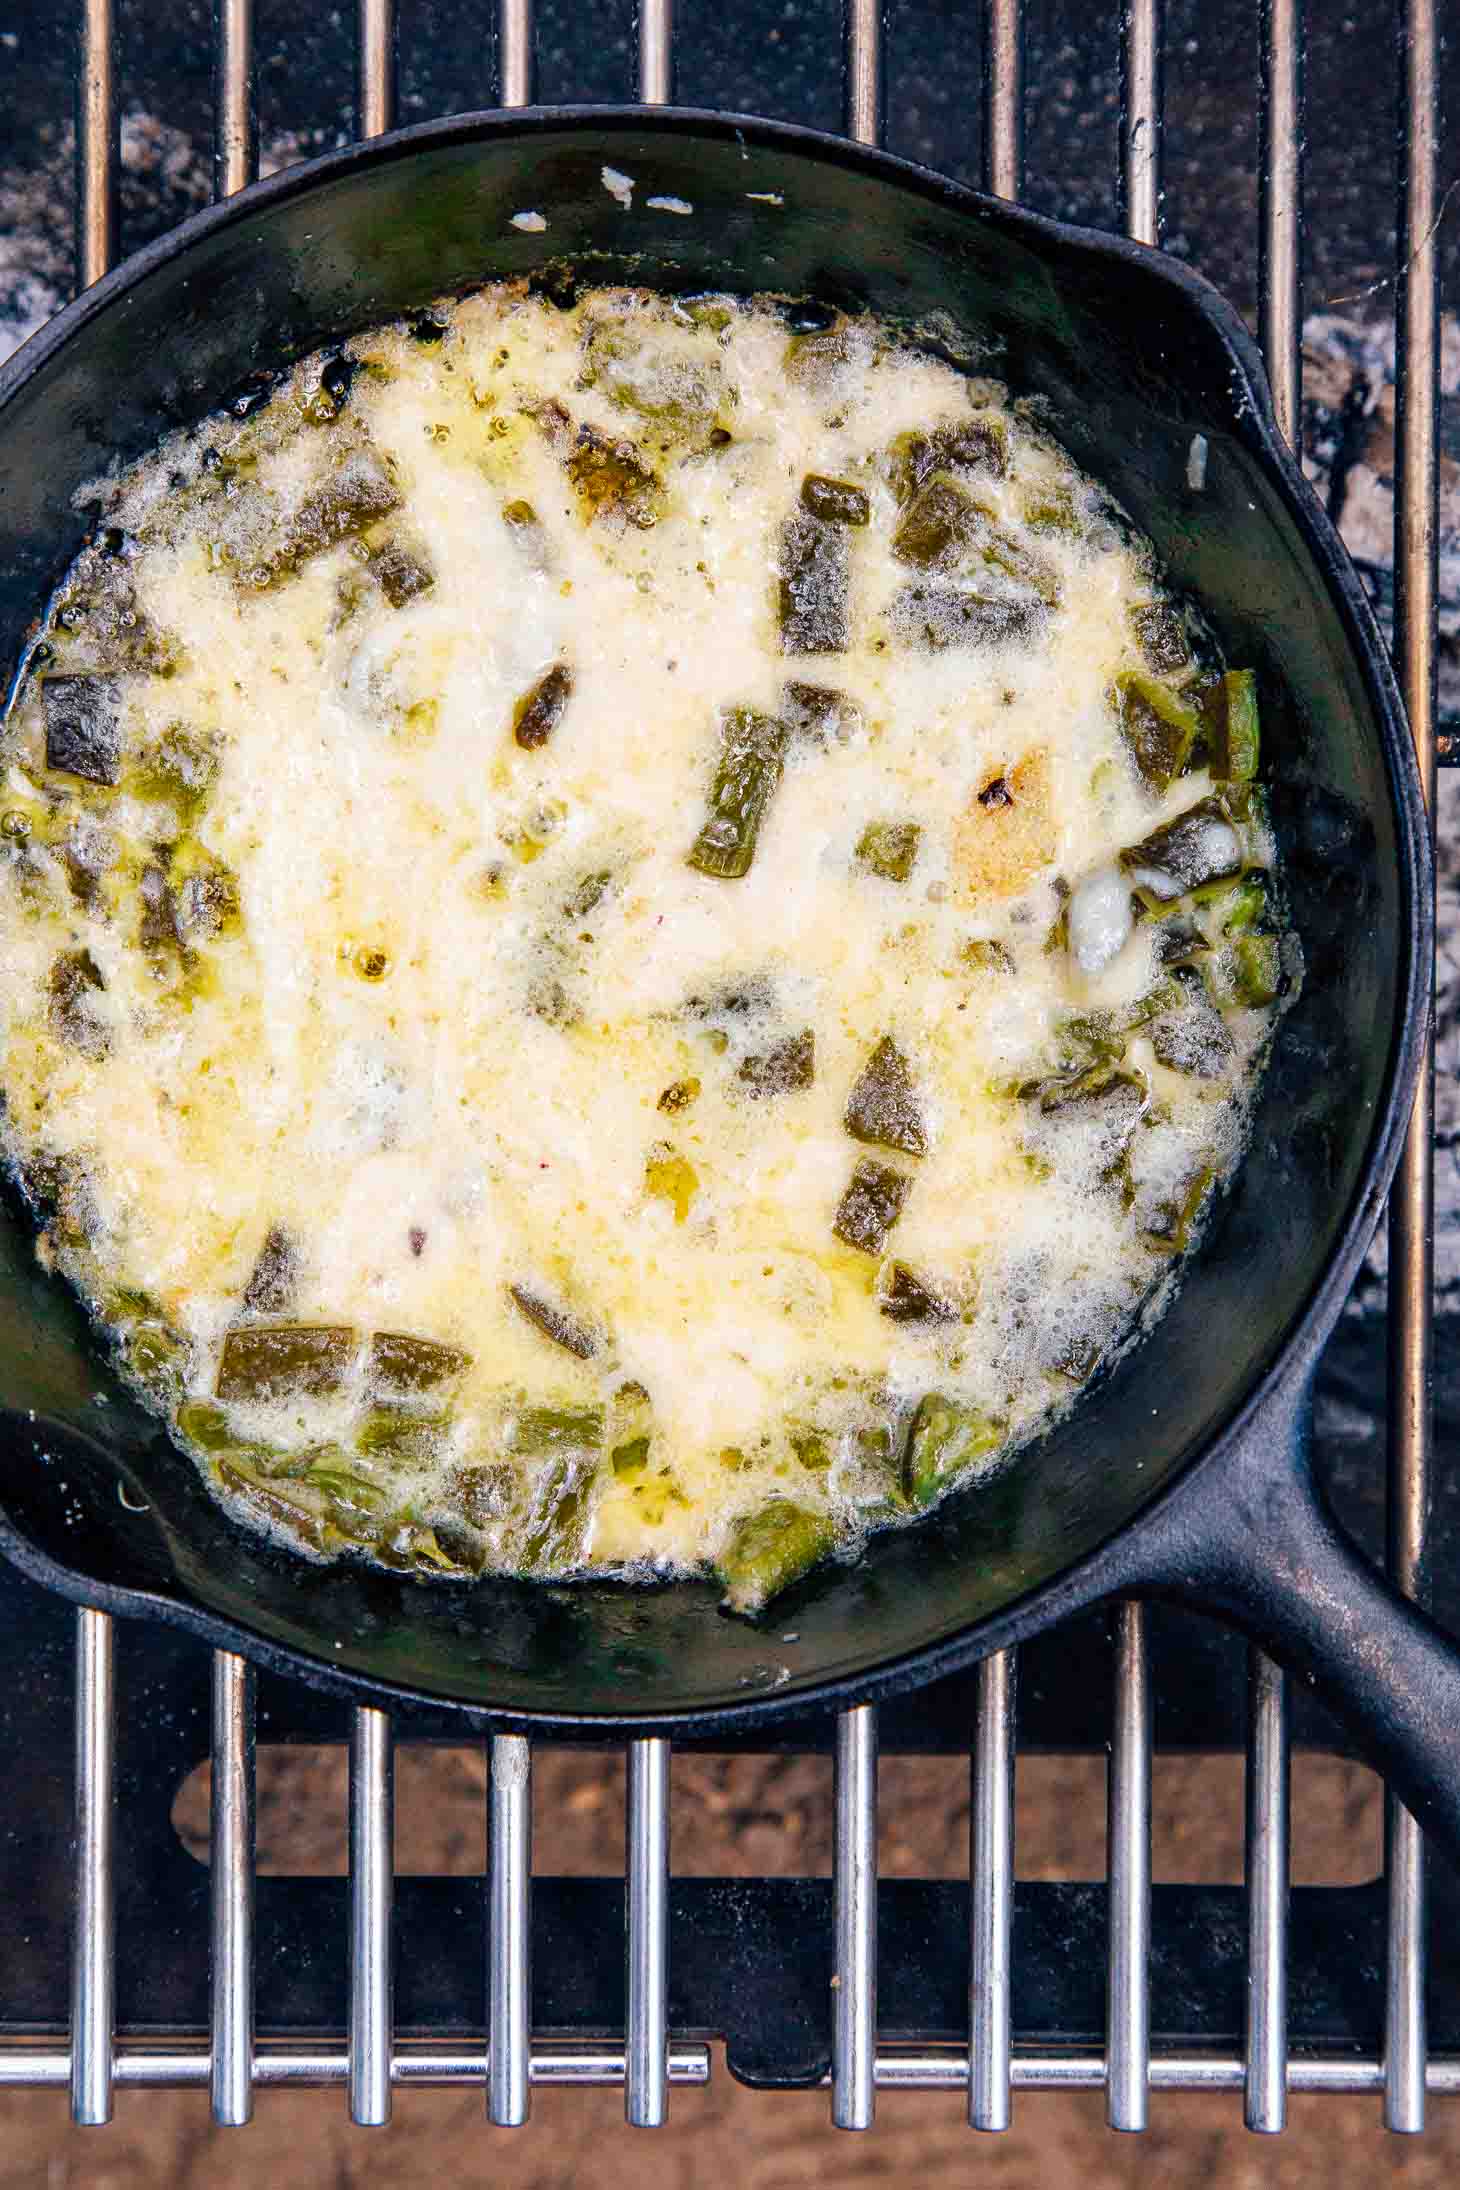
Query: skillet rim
[(1113, 1563)]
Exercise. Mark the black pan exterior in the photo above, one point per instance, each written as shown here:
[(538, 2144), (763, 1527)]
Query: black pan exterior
[(1138, 364)]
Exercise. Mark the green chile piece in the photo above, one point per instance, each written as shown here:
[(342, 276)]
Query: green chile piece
[(557, 1429), (936, 617), (835, 501), (401, 1434), (1247, 907), (612, 480), (205, 1425), (783, 1070), (1159, 729), (83, 727), (555, 1323), (277, 1507), (1249, 973), (401, 575), (819, 714), (357, 497), (155, 1353), (541, 708), (947, 1440), (871, 1206), (975, 445), (1162, 636), (401, 1364), (752, 751), (1233, 728), (274, 1279), (889, 848), (883, 1107), (178, 770), (264, 1361), (1197, 854), (770, 1549), (910, 1299), (1169, 1231), (815, 587), (74, 978), (556, 1534)]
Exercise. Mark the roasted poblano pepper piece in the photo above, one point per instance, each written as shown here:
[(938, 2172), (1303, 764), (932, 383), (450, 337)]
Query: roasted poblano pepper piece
[(401, 1434), (556, 1534), (907, 1298), (540, 709), (274, 1279), (816, 357), (204, 891), (62, 1190), (1196, 855), (154, 1352), (486, 1491), (1116, 1097), (1051, 508), (401, 1364), (781, 1071), (940, 527), (542, 1430), (1193, 1039), (938, 617), (1163, 638), (555, 1323), (178, 770), (835, 501), (883, 1107), (358, 496), (297, 1515), (1247, 907), (1233, 729), (205, 1425), (947, 1440), (75, 978), (83, 727), (975, 445), (815, 587), (630, 1459), (752, 751), (819, 714), (1249, 972), (1159, 729), (264, 1361), (770, 1549), (400, 575), (889, 848), (612, 480), (871, 1206), (1169, 1231)]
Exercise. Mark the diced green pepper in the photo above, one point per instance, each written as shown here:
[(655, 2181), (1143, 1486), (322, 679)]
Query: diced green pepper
[(555, 1540), (1116, 1097), (540, 709), (486, 1491), (178, 770), (814, 587), (818, 714), (630, 1459), (401, 575), (277, 1508), (1193, 1040), (1078, 1360), (975, 445), (274, 1279), (401, 1364), (1051, 508), (1169, 1231), (1233, 729), (884, 1107), (938, 617), (947, 1440), (557, 1429), (555, 1323), (74, 979), (285, 1360), (871, 1206), (816, 358), (1163, 637), (1247, 907), (155, 1353), (205, 1425), (752, 751), (769, 1550), (939, 527), (1249, 973), (84, 727), (908, 1298), (204, 889), (835, 501), (358, 496), (1158, 728), (612, 480), (889, 848), (791, 1065), (401, 1434), (1195, 855)]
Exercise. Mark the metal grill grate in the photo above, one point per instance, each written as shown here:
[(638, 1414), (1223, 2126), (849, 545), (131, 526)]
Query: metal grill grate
[(371, 2059)]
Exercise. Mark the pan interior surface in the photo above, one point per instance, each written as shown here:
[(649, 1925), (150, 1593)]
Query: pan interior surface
[(1134, 372)]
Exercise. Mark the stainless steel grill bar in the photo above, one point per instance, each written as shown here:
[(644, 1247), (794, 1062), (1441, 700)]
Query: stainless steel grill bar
[(1268, 1741), (1128, 1996), (1140, 121), (514, 52), (656, 52), (372, 1894), (1411, 1204), (1128, 1985), (183, 2063), (648, 1933), (235, 128), (854, 1917), (991, 1918), (231, 1888), (96, 146), (864, 70), (509, 1946), (1049, 2068), (991, 1811), (93, 1951), (375, 89)]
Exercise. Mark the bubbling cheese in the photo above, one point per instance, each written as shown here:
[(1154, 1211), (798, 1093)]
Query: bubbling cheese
[(567, 961)]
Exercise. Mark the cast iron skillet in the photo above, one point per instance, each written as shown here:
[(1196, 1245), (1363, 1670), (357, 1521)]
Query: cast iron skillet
[(1186, 1470)]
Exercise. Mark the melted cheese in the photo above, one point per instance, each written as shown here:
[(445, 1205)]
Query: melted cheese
[(448, 1047)]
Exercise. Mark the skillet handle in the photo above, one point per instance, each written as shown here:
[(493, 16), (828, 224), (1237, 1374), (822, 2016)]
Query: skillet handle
[(1266, 1553)]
